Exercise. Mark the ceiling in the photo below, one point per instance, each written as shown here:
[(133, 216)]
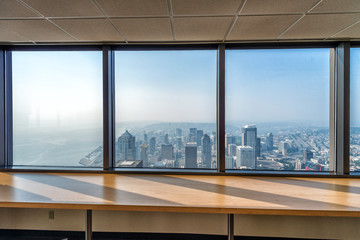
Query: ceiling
[(131, 21)]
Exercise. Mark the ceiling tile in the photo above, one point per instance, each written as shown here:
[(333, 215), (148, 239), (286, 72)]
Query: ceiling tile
[(64, 8), (201, 28), (277, 6), (337, 6), (36, 30), (14, 9), (350, 33), (205, 7), (145, 29), (320, 26), (6, 36), (90, 29), (134, 7), (261, 27)]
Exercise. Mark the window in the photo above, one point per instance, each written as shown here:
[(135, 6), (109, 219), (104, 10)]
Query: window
[(165, 109), (57, 108), (354, 110), (277, 109)]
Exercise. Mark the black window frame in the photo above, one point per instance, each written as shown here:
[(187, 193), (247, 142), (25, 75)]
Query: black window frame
[(339, 105)]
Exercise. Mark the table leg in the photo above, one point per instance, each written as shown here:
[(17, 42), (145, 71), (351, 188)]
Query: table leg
[(230, 226), (88, 232)]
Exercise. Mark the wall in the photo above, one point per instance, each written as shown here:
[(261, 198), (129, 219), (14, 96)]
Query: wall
[(246, 225)]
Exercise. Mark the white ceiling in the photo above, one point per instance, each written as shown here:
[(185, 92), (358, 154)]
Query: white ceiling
[(126, 21)]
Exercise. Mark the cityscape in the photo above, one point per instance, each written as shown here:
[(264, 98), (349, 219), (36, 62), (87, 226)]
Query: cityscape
[(248, 147)]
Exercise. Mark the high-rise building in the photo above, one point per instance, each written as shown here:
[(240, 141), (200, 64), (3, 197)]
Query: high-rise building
[(145, 137), (152, 145), (192, 135), (178, 132), (245, 156), (249, 138), (191, 155), (167, 152), (206, 151), (199, 135), (179, 144), (229, 162), (269, 141), (258, 147), (231, 150), (144, 154), (166, 139), (127, 149), (228, 140), (308, 155)]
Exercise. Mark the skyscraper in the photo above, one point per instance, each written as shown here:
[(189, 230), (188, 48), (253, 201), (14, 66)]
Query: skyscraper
[(127, 149), (178, 132), (269, 141), (152, 145), (167, 152), (144, 154), (199, 135), (166, 139), (192, 135), (179, 143), (308, 155), (245, 157), (191, 155), (231, 150), (249, 138), (206, 151)]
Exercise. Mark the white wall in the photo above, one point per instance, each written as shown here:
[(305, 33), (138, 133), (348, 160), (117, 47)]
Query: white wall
[(246, 225)]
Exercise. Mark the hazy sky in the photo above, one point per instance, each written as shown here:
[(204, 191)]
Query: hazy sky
[(174, 86), (277, 85), (62, 88), (57, 89)]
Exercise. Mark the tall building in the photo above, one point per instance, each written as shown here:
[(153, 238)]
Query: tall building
[(199, 135), (249, 138), (166, 139), (145, 137), (192, 135), (228, 140), (179, 144), (269, 141), (206, 152), (152, 145), (144, 154), (178, 132), (167, 152), (231, 150), (191, 155), (127, 149), (308, 155), (245, 156), (258, 147)]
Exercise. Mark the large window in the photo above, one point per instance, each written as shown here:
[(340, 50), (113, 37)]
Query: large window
[(57, 108), (165, 109), (277, 109), (355, 111)]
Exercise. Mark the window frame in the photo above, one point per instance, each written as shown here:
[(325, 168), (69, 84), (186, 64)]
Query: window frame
[(339, 105)]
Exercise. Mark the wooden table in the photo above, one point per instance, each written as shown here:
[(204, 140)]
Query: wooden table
[(182, 193)]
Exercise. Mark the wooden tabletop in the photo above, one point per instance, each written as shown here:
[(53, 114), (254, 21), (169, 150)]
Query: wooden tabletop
[(182, 193)]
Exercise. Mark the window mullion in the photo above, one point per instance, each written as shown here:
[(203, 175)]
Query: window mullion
[(220, 111), (342, 108), (108, 108)]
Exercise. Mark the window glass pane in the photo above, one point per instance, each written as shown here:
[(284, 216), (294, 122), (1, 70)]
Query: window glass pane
[(277, 109), (354, 109), (165, 109), (57, 108)]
